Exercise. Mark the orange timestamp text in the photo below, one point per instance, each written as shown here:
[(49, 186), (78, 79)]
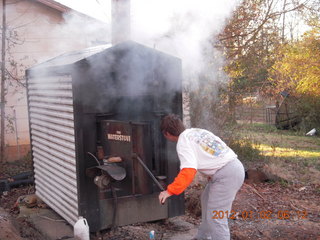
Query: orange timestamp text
[(265, 214)]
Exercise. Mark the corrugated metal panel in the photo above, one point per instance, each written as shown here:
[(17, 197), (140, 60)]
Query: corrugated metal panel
[(53, 143), (52, 119)]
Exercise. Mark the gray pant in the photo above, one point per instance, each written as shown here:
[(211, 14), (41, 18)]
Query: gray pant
[(216, 201)]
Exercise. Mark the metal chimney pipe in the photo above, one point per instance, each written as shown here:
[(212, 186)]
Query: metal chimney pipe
[(120, 21)]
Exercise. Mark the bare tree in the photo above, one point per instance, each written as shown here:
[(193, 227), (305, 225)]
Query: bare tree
[(9, 72), (3, 78), (249, 40)]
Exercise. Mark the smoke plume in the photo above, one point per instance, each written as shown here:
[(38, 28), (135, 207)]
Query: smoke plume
[(184, 28), (187, 29)]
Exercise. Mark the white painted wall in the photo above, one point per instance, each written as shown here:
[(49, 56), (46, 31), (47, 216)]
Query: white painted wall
[(43, 33)]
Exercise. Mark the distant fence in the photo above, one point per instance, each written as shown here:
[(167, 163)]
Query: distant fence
[(265, 114)]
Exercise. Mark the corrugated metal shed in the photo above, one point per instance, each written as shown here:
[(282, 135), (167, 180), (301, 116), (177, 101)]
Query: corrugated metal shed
[(69, 94)]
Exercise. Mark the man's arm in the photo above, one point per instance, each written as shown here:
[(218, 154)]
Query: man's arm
[(180, 183)]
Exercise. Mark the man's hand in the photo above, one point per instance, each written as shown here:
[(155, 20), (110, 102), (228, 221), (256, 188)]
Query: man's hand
[(163, 196)]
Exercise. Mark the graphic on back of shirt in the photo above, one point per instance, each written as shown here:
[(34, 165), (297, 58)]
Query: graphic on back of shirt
[(207, 141)]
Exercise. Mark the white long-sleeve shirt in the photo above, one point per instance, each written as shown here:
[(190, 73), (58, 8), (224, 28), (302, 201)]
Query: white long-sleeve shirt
[(200, 149)]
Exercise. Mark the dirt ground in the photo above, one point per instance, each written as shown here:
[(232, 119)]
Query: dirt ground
[(272, 210)]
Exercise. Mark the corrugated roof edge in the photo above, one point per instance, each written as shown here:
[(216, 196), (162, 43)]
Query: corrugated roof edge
[(71, 57)]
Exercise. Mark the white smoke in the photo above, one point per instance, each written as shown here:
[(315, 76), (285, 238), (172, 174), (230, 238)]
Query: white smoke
[(184, 28), (187, 29)]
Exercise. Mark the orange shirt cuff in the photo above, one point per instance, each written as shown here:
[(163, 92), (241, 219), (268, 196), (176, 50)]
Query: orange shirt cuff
[(182, 181)]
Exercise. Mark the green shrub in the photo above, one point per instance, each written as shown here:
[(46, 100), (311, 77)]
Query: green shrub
[(246, 149), (309, 109)]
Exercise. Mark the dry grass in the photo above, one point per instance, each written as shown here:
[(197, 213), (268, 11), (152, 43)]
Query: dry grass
[(293, 153), (290, 155)]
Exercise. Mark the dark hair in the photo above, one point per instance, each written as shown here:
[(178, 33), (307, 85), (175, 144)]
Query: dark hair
[(172, 124)]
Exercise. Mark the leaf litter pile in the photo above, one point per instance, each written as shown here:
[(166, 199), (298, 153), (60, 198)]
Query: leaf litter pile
[(260, 211)]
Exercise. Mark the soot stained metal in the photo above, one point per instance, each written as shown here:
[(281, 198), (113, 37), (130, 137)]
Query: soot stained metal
[(95, 133)]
